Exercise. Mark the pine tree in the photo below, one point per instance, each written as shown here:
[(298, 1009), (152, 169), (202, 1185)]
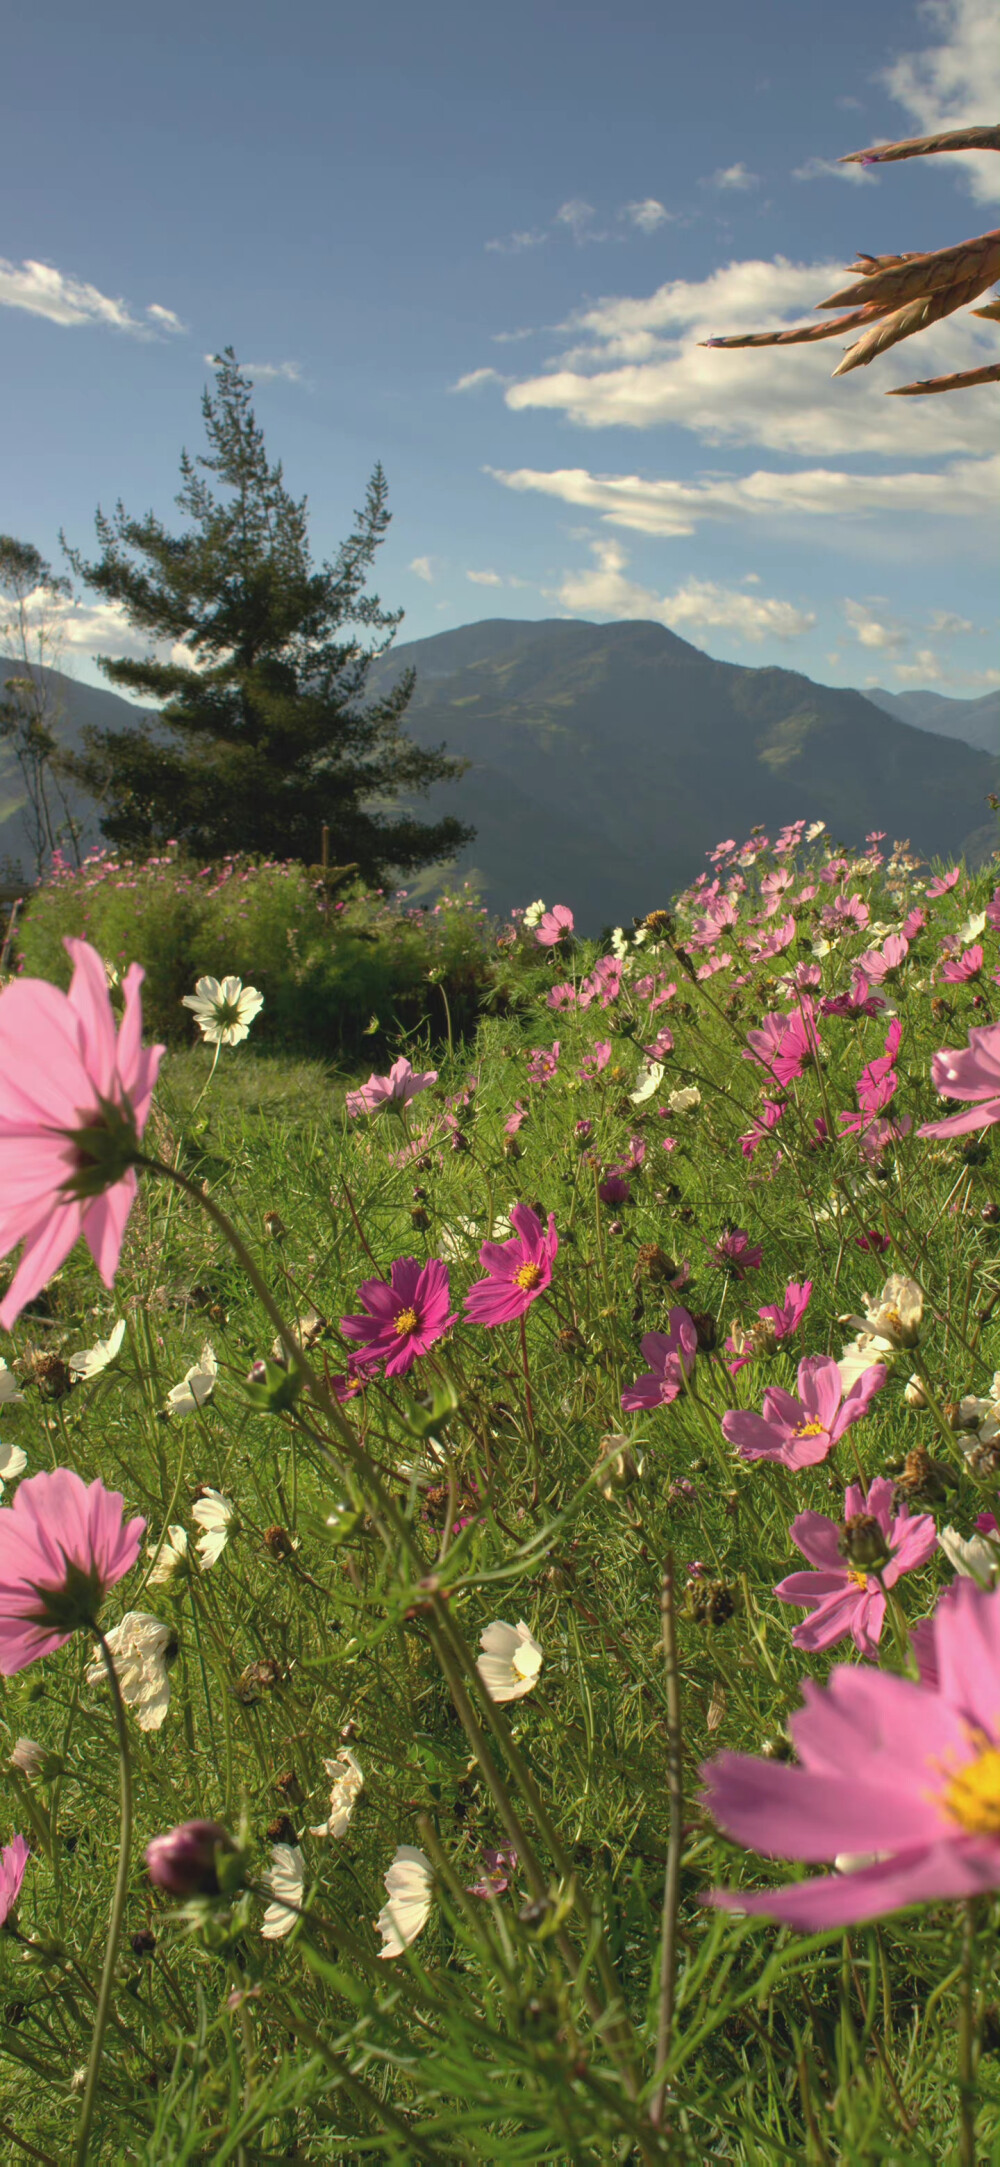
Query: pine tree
[(264, 735)]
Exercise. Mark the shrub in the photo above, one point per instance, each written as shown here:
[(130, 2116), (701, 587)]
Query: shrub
[(327, 965)]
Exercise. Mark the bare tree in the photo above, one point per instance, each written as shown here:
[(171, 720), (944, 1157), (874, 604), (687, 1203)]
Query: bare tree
[(32, 596)]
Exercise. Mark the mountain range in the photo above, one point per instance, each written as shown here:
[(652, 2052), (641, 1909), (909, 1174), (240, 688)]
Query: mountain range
[(605, 760)]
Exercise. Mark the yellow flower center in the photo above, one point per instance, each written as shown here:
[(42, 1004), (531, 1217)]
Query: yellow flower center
[(810, 1429), (527, 1276), (407, 1320), (857, 1578), (973, 1796)]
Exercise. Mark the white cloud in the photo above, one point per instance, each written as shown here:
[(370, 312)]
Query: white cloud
[(641, 362), (512, 338), (875, 630), (924, 670), (955, 84), (732, 177), (577, 216), (423, 568), (478, 377), (827, 169), (944, 621), (485, 579), (967, 489), (271, 372), (43, 291), (697, 605), (647, 215), (514, 243)]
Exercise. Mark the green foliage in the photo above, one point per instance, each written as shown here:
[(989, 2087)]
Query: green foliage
[(263, 735), (370, 1545), (337, 971)]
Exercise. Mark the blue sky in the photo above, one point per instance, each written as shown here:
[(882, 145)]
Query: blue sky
[(482, 244)]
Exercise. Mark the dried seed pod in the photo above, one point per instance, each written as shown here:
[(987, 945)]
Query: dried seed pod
[(278, 1542), (709, 1602)]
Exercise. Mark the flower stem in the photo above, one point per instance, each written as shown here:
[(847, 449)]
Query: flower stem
[(671, 1883), (967, 2041), (117, 1910), (530, 1414)]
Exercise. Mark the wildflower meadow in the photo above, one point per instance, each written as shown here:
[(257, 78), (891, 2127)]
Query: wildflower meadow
[(500, 1556)]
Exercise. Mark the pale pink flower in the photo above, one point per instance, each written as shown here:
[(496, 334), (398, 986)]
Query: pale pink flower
[(557, 925), (880, 963), (907, 1775), (941, 884), (13, 1860), (969, 1072), (958, 970), (543, 1063), (848, 1597), (800, 1432), (596, 1060), (563, 996), (62, 1545), (397, 1089), (74, 1098)]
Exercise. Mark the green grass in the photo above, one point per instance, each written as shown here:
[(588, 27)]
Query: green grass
[(513, 2031)]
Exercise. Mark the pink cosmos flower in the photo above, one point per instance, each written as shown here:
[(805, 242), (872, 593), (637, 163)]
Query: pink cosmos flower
[(908, 1772), (780, 1321), (660, 1046), (13, 1860), (556, 925), (563, 996), (604, 983), (74, 1098), (881, 962), (800, 1432), (969, 1072), (993, 911), (914, 924), (847, 1597), (941, 884), (958, 970), (846, 910), (614, 1189), (720, 962), (860, 1001), (404, 1318), (517, 1119), (875, 1241), (734, 1253), (62, 1545), (768, 1118), (518, 1270), (397, 1089), (596, 1060), (499, 1868), (671, 1357), (784, 1045), (543, 1063)]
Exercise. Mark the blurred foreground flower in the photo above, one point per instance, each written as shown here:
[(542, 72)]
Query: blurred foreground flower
[(887, 1767), (185, 1861), (74, 1098), (223, 1010), (13, 1860), (510, 1661), (969, 1072), (62, 1545), (856, 1561), (410, 1888)]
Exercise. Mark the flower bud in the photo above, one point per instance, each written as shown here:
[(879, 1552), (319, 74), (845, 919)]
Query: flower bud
[(862, 1542), (185, 1861), (618, 1467), (28, 1757), (913, 1393)]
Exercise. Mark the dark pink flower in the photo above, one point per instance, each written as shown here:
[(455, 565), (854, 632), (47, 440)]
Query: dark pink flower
[(13, 1860), (768, 1118), (499, 1868), (62, 1545), (908, 1773), (185, 1861), (734, 1253), (860, 1001), (800, 1432), (397, 1089), (873, 1240), (784, 1045), (671, 1357), (543, 1063), (596, 1060), (969, 1072), (557, 925), (404, 1318), (74, 1098), (844, 1596), (614, 1189), (518, 1271), (779, 1320)]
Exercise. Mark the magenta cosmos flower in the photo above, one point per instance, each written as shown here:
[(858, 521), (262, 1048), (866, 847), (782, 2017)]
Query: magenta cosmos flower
[(671, 1358), (855, 1563), (800, 1432), (13, 1860), (404, 1318), (556, 925), (62, 1545), (518, 1270), (966, 1072), (903, 1773), (74, 1097), (778, 1321), (397, 1089)]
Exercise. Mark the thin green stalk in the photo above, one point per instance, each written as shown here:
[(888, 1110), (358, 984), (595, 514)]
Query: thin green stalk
[(82, 2145), (671, 1881), (967, 2040)]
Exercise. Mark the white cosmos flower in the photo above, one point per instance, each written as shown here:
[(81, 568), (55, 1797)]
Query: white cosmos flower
[(863, 1353), (197, 1384), (213, 1513), (173, 1552), (533, 915), (457, 1241), (139, 1647), (91, 1360), (348, 1783), (9, 1394), (982, 1415), (895, 1314), (286, 1882), (510, 1661), (685, 1100), (974, 1556), (972, 929), (815, 828), (647, 1082), (223, 1012), (410, 1887), (12, 1462)]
